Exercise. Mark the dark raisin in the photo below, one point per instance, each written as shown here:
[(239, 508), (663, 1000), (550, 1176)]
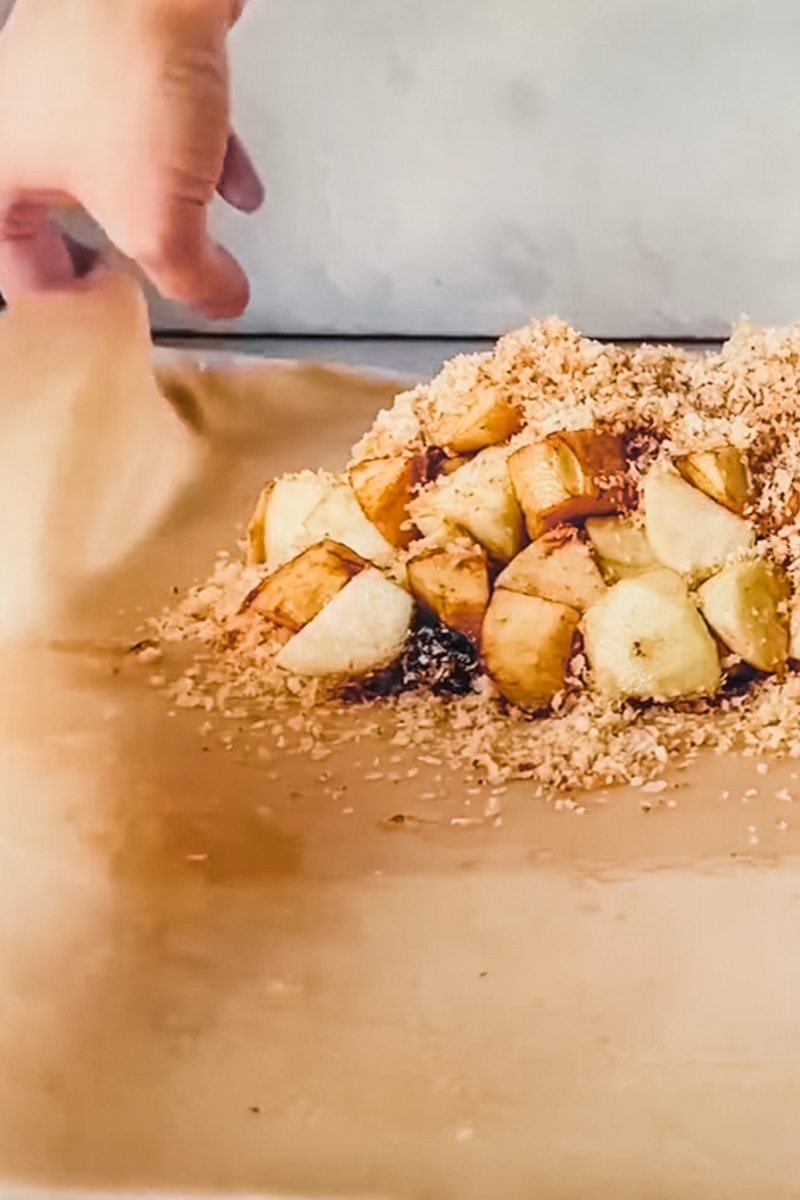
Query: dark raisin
[(740, 679), (436, 657), (377, 686), (441, 659), (435, 458)]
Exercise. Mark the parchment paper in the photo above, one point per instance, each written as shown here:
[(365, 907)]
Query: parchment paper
[(214, 980)]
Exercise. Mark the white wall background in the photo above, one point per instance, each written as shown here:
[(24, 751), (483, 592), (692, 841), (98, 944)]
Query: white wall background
[(452, 166)]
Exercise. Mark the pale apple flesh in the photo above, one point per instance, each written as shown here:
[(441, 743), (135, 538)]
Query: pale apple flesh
[(450, 465), (478, 499), (747, 606), (298, 591), (452, 584), (527, 646), (364, 628), (621, 546), (689, 532), (340, 517), (646, 641), (277, 531), (569, 477), (558, 567)]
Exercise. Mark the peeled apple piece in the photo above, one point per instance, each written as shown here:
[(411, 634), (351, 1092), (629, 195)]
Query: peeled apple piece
[(746, 605), (621, 546), (277, 531), (568, 477), (340, 517), (363, 628), (557, 567), (646, 641), (527, 644), (452, 583), (384, 488), (477, 498), (299, 590), (689, 532), (722, 474), (485, 418), (794, 625)]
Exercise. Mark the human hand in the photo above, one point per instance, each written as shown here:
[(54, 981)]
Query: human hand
[(122, 107)]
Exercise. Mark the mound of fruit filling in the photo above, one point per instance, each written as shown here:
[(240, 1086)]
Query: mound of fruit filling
[(572, 561)]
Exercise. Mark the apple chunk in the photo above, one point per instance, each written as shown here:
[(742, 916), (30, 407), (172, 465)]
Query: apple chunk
[(299, 590), (477, 498), (568, 477), (340, 517), (363, 628), (558, 567), (722, 474), (485, 418), (276, 532), (646, 640), (794, 626), (689, 532), (621, 546), (527, 644), (747, 606), (385, 487), (452, 583)]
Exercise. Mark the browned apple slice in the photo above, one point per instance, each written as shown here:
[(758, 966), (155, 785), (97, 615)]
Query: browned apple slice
[(568, 477), (452, 583), (300, 589), (527, 643), (558, 567), (722, 474), (384, 488), (483, 419)]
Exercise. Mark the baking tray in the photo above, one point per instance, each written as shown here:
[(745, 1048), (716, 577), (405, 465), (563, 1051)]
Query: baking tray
[(215, 981)]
